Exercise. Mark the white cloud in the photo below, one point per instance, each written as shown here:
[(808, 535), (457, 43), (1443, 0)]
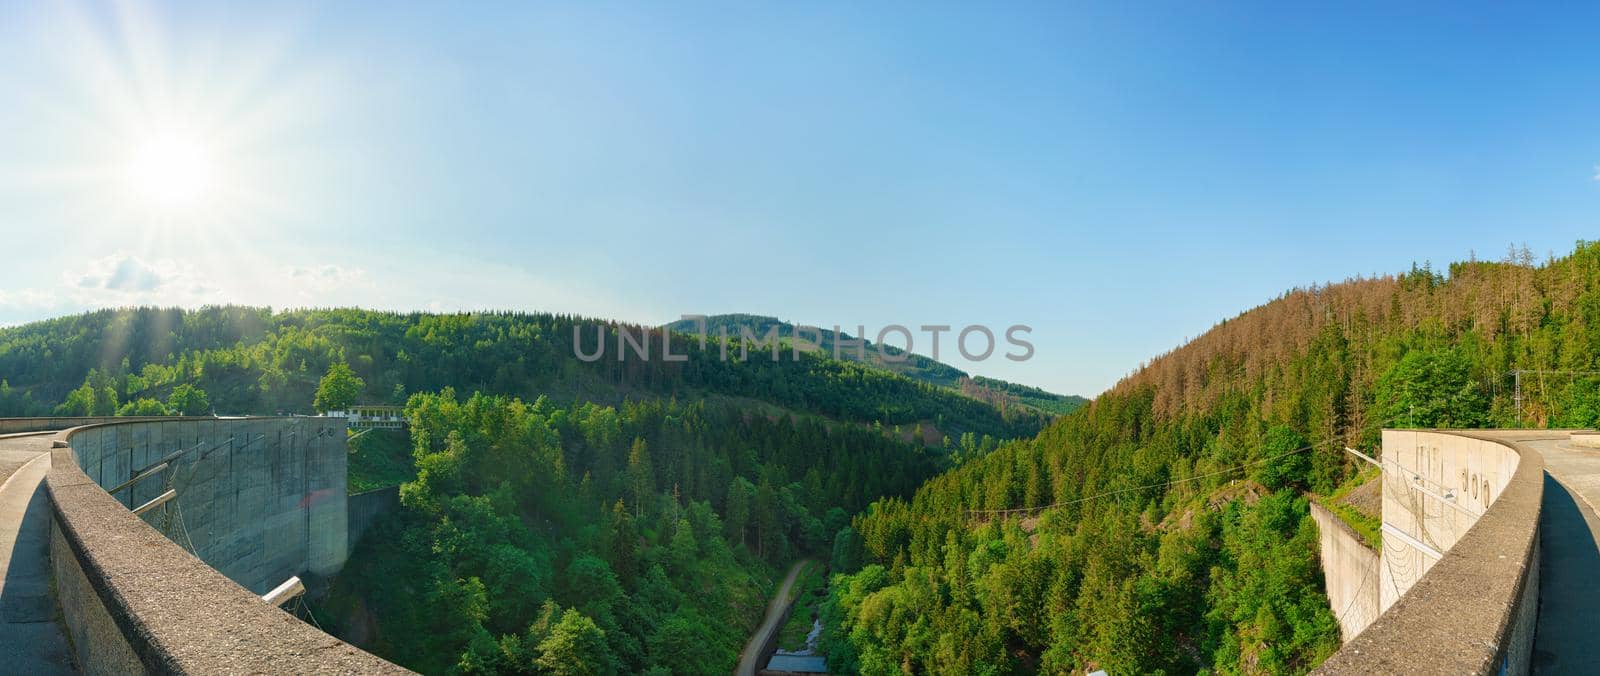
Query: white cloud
[(242, 278), (262, 277), (131, 274), (121, 278), (26, 298), (324, 277)]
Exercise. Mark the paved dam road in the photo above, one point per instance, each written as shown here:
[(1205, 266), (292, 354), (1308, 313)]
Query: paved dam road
[(750, 658), (31, 640), (1569, 586)]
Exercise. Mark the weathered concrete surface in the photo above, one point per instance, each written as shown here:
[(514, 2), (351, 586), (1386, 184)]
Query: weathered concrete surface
[(1421, 466), (27, 425), (1569, 598), (260, 499), (1475, 610), (31, 640), (1586, 439), (135, 601), (1349, 573), (365, 508), (101, 646)]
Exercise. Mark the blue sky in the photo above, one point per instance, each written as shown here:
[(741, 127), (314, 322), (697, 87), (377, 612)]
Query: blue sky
[(1119, 177)]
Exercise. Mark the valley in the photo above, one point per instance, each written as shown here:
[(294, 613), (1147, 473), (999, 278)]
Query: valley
[(623, 518)]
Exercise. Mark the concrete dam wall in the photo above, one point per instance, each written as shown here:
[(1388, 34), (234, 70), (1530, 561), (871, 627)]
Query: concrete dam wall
[(1435, 488), (260, 500), (1456, 589), (1349, 572), (365, 509), (177, 589)]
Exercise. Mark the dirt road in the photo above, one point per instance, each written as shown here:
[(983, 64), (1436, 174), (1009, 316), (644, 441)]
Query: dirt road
[(750, 658)]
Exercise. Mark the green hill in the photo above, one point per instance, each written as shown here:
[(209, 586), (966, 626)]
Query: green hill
[(253, 360), (1049, 402), (888, 358)]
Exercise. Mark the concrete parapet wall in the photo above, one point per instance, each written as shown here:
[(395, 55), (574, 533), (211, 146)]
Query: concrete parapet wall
[(1349, 572), (1435, 488), (23, 425), (101, 645), (1471, 609), (261, 499), (1588, 439)]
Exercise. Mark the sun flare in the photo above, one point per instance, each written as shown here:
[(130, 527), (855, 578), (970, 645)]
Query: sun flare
[(168, 133), (171, 171)]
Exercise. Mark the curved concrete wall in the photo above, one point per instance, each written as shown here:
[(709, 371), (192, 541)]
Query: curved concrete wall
[(1459, 571), (1420, 468), (21, 425), (1349, 573), (259, 500)]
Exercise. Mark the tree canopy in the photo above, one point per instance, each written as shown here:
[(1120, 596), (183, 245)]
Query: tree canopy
[(662, 523), (339, 388)]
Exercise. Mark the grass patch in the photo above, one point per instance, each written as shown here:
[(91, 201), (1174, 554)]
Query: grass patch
[(810, 588), (380, 459), (1370, 529)]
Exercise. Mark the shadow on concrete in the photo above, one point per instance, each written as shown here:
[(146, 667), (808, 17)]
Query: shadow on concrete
[(26, 596), (1569, 587), (31, 642)]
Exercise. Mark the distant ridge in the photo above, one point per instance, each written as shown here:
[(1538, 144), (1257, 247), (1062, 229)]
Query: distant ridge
[(914, 366)]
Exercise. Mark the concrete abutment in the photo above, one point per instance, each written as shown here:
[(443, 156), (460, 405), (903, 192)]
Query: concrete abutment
[(1457, 581), (258, 500)]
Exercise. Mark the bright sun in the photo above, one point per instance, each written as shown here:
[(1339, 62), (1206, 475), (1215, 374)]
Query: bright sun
[(171, 171)]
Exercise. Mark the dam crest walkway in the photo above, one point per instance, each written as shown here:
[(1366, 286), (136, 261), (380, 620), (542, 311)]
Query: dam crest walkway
[(1569, 593), (32, 640)]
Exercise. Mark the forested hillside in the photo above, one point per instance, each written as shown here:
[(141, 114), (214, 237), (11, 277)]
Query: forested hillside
[(593, 539), (989, 389), (569, 516), (911, 365), (252, 360), (1163, 527), (1000, 393)]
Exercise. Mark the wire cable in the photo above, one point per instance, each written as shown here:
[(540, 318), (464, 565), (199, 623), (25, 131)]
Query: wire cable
[(1365, 575), (1174, 482)]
